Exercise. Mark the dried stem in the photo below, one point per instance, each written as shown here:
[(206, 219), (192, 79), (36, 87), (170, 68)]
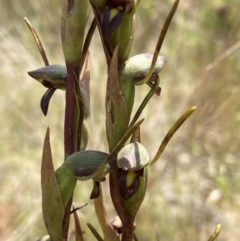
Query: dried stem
[(108, 231), (38, 42)]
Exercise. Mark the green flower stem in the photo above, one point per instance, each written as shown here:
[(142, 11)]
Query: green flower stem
[(216, 233), (171, 132), (74, 19), (145, 101), (160, 40)]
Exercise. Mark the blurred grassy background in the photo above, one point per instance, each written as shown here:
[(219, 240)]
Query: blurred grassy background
[(196, 184)]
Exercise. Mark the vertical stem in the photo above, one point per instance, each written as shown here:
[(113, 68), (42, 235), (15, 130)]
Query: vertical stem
[(74, 19), (70, 112), (127, 220), (69, 131)]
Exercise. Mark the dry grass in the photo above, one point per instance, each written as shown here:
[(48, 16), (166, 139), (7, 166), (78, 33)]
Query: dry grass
[(195, 185)]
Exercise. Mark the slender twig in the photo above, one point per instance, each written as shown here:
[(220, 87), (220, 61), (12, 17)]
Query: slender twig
[(78, 208), (116, 149), (222, 56), (160, 40), (216, 232), (108, 231), (171, 132), (38, 42), (144, 102)]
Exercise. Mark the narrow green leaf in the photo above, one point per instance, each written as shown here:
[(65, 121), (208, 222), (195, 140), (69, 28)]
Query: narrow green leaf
[(161, 39), (145, 101), (171, 132), (94, 232), (52, 204), (216, 233)]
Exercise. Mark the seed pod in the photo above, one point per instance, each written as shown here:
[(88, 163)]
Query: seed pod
[(132, 157)]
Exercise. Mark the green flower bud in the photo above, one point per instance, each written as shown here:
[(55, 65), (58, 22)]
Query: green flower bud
[(132, 157), (84, 163), (80, 166), (51, 76), (133, 71)]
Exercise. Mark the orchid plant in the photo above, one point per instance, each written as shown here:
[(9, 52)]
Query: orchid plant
[(128, 162)]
